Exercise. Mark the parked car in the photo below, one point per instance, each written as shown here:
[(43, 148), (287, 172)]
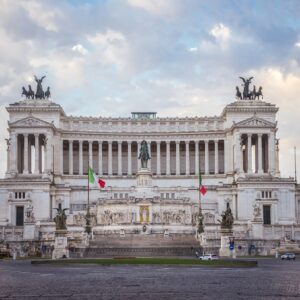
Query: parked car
[(288, 256), (209, 257)]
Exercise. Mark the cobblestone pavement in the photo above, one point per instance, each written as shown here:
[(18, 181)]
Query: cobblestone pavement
[(272, 279)]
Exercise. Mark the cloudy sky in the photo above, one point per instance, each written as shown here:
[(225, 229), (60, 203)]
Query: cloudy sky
[(176, 57)]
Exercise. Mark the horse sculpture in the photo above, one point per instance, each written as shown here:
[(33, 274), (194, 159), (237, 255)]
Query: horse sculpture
[(144, 154), (30, 92), (47, 93), (258, 94), (238, 94)]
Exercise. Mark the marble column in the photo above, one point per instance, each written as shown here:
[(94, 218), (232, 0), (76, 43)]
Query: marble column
[(150, 154), (271, 152), (138, 154), (197, 157), (25, 171), (206, 157), (216, 156), (228, 155), (80, 158), (91, 154), (100, 168), (109, 157), (129, 167), (36, 152), (260, 169), (168, 157), (14, 153), (241, 155), (277, 159), (249, 154), (8, 149), (119, 158), (62, 157), (187, 157), (177, 157), (71, 157), (158, 157)]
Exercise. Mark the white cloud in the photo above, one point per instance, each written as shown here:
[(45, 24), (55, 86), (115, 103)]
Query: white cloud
[(297, 44), (168, 8), (193, 49), (110, 47), (80, 49), (220, 32), (42, 14)]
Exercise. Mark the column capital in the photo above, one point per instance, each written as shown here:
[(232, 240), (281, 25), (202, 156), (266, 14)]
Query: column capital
[(90, 142), (25, 134), (70, 141), (120, 142), (260, 135), (216, 141), (206, 141), (100, 142), (177, 142), (187, 142), (249, 135), (36, 134), (158, 142), (109, 142), (168, 142)]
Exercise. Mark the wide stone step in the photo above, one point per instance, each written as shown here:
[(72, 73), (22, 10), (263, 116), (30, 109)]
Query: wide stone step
[(144, 241), (133, 252)]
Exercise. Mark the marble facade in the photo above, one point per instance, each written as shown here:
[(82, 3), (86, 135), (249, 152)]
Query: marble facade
[(237, 153)]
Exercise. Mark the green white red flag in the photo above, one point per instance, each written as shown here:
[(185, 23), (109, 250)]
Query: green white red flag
[(93, 178), (202, 188)]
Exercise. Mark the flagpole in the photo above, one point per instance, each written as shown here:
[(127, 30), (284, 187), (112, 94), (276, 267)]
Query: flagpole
[(87, 218), (200, 228), (295, 158)]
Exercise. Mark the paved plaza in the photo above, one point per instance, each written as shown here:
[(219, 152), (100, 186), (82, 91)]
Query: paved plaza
[(272, 279)]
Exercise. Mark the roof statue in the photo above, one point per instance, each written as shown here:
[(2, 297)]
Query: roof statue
[(247, 94), (39, 94)]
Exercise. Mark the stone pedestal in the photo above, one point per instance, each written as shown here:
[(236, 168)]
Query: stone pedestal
[(29, 232), (224, 250), (257, 230), (61, 245), (144, 178)]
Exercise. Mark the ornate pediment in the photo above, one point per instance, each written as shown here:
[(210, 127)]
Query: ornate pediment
[(31, 122), (255, 122)]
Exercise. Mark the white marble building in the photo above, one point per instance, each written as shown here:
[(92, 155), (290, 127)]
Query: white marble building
[(237, 154)]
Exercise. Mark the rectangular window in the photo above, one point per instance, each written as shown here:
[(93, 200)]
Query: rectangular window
[(267, 214), (19, 215), (173, 195), (115, 195), (162, 195)]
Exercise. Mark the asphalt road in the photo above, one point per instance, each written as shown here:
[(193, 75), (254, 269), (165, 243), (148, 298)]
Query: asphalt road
[(272, 279)]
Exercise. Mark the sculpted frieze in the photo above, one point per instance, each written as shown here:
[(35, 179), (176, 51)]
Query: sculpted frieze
[(255, 122)]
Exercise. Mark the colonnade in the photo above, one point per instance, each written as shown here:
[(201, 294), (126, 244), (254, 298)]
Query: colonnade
[(121, 157), (27, 153), (257, 152)]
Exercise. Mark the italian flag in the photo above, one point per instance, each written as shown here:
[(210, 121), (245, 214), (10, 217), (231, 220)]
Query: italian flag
[(202, 188), (93, 178)]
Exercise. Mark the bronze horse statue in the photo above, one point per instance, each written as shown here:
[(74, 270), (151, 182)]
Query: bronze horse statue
[(144, 154)]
